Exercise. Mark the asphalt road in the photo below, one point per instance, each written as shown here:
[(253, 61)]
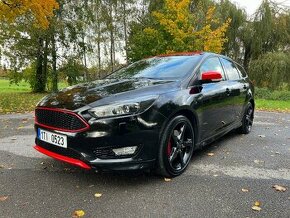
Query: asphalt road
[(38, 186)]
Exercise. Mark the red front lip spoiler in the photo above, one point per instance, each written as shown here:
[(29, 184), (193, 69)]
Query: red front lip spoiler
[(69, 160)]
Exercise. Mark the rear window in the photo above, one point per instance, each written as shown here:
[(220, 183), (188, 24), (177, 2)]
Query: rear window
[(231, 70), (242, 71)]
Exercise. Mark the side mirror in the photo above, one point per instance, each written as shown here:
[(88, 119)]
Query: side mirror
[(211, 76)]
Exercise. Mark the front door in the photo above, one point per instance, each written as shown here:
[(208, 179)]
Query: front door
[(213, 109)]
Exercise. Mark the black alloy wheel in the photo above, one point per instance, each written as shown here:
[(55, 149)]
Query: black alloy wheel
[(248, 119), (177, 145)]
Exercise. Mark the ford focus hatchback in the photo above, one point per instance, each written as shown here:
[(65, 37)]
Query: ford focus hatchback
[(152, 114)]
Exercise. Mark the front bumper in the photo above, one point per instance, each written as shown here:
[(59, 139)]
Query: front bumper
[(92, 149)]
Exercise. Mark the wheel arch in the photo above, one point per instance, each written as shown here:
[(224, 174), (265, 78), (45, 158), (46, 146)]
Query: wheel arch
[(189, 114), (252, 101)]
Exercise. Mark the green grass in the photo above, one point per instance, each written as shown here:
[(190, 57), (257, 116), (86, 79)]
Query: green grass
[(19, 99), (6, 87), (273, 105)]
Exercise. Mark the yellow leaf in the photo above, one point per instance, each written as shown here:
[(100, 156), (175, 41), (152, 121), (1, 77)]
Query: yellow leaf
[(256, 208), (210, 154), (258, 203), (98, 195), (245, 190), (167, 179), (78, 213)]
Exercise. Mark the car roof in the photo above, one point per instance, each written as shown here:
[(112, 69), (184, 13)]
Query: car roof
[(181, 54), (193, 53)]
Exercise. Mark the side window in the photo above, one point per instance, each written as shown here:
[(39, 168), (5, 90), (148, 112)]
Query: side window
[(212, 64), (242, 71), (231, 70)]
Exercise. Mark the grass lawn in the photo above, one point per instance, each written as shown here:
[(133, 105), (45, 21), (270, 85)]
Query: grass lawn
[(273, 105), (6, 87), (19, 99)]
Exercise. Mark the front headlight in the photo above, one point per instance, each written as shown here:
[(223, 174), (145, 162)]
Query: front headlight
[(128, 107)]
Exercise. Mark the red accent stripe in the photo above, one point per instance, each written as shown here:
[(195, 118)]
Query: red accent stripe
[(63, 111), (177, 54), (69, 160)]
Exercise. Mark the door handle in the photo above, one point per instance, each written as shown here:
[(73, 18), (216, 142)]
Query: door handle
[(228, 92)]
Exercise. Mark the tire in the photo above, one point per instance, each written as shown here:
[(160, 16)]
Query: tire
[(247, 121), (176, 147)]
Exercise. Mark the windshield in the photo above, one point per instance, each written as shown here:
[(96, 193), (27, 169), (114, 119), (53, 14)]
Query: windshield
[(173, 67)]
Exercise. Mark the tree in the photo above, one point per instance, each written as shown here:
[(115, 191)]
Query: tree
[(40, 10), (228, 10), (271, 70), (175, 28)]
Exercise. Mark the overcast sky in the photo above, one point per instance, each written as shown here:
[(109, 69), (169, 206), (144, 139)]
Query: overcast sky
[(252, 5)]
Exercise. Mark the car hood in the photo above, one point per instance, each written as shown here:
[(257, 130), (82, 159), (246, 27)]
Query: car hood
[(107, 91)]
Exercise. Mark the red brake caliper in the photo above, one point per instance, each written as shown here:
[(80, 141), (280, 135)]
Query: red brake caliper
[(169, 148)]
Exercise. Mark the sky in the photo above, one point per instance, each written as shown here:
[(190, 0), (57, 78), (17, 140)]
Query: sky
[(252, 5)]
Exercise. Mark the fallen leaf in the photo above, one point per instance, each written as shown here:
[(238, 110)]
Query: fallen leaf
[(24, 120), (78, 213), (256, 208), (210, 154), (167, 179), (262, 136), (245, 190), (279, 188), (257, 203), (3, 198), (98, 195), (258, 161)]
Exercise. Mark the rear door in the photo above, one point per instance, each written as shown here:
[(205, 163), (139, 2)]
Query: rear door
[(237, 90)]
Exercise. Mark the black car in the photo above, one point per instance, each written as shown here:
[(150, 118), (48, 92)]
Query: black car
[(152, 114)]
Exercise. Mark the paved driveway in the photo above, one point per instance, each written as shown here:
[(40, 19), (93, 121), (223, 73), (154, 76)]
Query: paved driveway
[(37, 186)]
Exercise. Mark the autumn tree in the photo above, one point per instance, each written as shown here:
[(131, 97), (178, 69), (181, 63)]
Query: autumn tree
[(176, 28), (40, 10)]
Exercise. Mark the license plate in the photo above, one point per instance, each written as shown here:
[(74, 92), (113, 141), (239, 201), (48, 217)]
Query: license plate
[(52, 138)]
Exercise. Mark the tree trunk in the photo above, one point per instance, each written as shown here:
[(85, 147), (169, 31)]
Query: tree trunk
[(112, 41), (45, 54), (125, 29), (54, 72), (99, 38), (39, 83), (247, 56)]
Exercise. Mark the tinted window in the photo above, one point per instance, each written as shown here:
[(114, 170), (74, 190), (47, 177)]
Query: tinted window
[(212, 64), (242, 71), (231, 70), (158, 68)]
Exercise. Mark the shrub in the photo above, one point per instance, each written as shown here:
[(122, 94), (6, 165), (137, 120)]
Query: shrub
[(264, 93), (271, 71)]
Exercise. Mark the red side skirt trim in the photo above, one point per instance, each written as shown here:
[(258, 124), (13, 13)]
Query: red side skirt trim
[(69, 160)]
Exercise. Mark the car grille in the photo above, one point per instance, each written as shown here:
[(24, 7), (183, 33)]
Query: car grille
[(58, 119)]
